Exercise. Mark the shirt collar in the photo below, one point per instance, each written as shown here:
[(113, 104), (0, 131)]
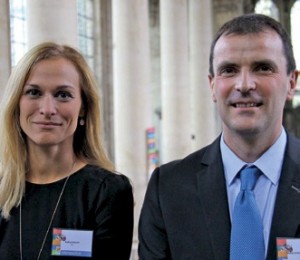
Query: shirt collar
[(269, 163)]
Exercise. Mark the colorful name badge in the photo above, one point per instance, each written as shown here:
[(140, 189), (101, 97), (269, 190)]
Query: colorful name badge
[(288, 248), (70, 242)]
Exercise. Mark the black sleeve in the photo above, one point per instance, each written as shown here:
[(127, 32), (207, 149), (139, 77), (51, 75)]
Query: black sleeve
[(153, 241), (114, 220)]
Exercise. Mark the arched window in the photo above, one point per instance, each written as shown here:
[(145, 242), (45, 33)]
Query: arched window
[(18, 30), (86, 29), (267, 7)]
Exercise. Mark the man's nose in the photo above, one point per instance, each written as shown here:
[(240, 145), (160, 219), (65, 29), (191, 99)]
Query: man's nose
[(48, 106), (245, 82)]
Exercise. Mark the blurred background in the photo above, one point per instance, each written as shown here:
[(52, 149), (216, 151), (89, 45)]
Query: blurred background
[(150, 58)]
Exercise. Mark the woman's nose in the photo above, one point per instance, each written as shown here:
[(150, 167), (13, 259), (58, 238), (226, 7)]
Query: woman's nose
[(48, 106)]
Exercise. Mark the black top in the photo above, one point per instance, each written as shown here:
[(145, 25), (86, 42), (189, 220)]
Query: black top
[(94, 199)]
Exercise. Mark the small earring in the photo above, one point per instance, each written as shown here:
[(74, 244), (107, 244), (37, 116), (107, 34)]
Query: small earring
[(81, 121)]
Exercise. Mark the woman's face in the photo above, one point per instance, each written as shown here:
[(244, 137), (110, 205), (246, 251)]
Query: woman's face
[(50, 103)]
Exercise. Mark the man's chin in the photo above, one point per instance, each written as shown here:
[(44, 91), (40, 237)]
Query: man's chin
[(248, 131)]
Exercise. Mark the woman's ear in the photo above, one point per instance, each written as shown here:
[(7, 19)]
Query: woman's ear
[(82, 112)]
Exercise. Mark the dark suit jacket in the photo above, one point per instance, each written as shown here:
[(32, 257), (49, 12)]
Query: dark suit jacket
[(185, 214)]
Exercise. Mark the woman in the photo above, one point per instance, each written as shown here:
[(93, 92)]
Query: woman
[(59, 194)]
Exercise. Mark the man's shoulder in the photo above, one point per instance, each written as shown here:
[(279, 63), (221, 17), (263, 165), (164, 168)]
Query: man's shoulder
[(292, 138), (293, 146), (193, 162)]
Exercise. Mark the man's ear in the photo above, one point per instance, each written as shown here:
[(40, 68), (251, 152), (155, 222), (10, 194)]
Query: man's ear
[(212, 87), (292, 84)]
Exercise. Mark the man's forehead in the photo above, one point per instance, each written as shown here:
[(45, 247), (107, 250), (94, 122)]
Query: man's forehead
[(266, 40), (249, 49)]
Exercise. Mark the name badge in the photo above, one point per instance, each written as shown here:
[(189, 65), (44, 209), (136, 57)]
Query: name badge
[(288, 248), (71, 242)]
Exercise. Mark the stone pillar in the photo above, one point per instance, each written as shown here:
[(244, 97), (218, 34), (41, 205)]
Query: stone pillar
[(5, 53), (176, 123), (132, 116), (54, 20), (203, 109), (284, 8), (224, 10), (154, 24), (103, 68)]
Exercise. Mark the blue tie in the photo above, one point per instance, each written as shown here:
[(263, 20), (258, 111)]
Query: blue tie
[(247, 240)]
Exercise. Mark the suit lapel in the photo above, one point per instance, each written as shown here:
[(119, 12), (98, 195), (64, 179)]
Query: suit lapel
[(213, 196), (286, 217)]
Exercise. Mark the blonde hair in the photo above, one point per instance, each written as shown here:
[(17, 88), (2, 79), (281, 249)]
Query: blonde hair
[(87, 142)]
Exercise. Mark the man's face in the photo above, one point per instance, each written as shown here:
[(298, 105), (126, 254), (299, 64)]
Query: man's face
[(251, 84)]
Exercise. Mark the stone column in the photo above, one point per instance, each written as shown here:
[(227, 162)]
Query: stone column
[(224, 10), (54, 20), (5, 53), (103, 68), (200, 37), (131, 93), (176, 123)]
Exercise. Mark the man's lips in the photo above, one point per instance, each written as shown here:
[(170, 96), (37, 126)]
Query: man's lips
[(246, 105)]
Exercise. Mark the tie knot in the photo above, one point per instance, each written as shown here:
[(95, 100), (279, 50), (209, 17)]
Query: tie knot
[(249, 177)]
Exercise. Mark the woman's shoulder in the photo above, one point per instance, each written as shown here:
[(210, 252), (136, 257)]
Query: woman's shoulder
[(100, 184), (99, 176)]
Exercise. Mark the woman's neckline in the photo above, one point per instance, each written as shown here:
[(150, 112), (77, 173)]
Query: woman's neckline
[(76, 172)]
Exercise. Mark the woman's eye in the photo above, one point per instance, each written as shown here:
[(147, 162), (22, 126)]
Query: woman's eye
[(64, 95), (33, 92)]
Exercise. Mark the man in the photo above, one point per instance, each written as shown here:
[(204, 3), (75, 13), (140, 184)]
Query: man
[(189, 204)]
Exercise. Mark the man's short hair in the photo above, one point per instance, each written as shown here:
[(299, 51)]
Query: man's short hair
[(251, 24)]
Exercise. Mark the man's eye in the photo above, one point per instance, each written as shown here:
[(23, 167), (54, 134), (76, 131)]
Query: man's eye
[(227, 71), (264, 68)]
